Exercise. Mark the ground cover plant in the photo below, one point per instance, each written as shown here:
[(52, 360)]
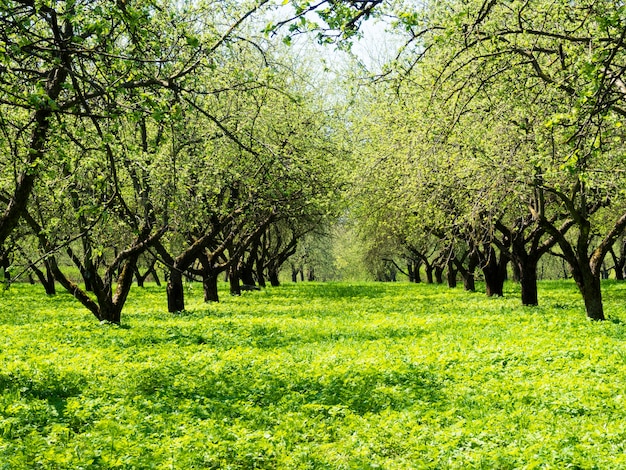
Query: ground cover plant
[(314, 376)]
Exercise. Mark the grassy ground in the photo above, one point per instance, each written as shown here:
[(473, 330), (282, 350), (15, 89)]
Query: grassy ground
[(313, 376)]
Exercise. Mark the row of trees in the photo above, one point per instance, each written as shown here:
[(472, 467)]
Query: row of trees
[(137, 131), (497, 137)]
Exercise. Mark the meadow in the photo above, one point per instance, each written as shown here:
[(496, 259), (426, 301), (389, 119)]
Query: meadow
[(315, 376)]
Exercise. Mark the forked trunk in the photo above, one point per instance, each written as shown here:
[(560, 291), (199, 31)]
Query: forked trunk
[(111, 313), (46, 279)]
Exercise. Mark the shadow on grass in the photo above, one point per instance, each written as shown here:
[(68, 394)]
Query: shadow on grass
[(336, 290), (230, 334), (238, 386)]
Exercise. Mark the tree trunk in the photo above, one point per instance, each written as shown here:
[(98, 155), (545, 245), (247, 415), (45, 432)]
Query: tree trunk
[(618, 263), (438, 274), (494, 271), (260, 274), (592, 295), (468, 272), (527, 270), (140, 279), (272, 275), (429, 274), (589, 286), (155, 277), (110, 313), (47, 279), (246, 275), (517, 275), (494, 282), (209, 283), (233, 279), (451, 276), (469, 283), (417, 276), (175, 292), (409, 267), (39, 138)]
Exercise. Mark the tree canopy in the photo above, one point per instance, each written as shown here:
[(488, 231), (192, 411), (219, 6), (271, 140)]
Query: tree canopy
[(191, 135)]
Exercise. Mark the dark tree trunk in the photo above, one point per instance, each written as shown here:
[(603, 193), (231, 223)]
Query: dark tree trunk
[(469, 282), (272, 275), (87, 280), (246, 275), (209, 284), (589, 286), (429, 274), (527, 269), (233, 279), (517, 274), (39, 138), (109, 313), (619, 262), (155, 276), (417, 276), (260, 275), (438, 274), (409, 267), (140, 279), (311, 275), (592, 295), (46, 279), (175, 292), (494, 271), (468, 272), (451, 275)]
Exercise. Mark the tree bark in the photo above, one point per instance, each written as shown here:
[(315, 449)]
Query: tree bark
[(46, 279), (233, 279), (39, 138), (209, 284), (246, 275), (528, 281), (175, 292), (417, 276), (494, 271), (429, 274), (438, 274), (272, 275), (589, 286), (451, 275)]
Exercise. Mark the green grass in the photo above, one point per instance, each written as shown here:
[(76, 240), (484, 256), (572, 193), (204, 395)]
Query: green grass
[(315, 376)]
